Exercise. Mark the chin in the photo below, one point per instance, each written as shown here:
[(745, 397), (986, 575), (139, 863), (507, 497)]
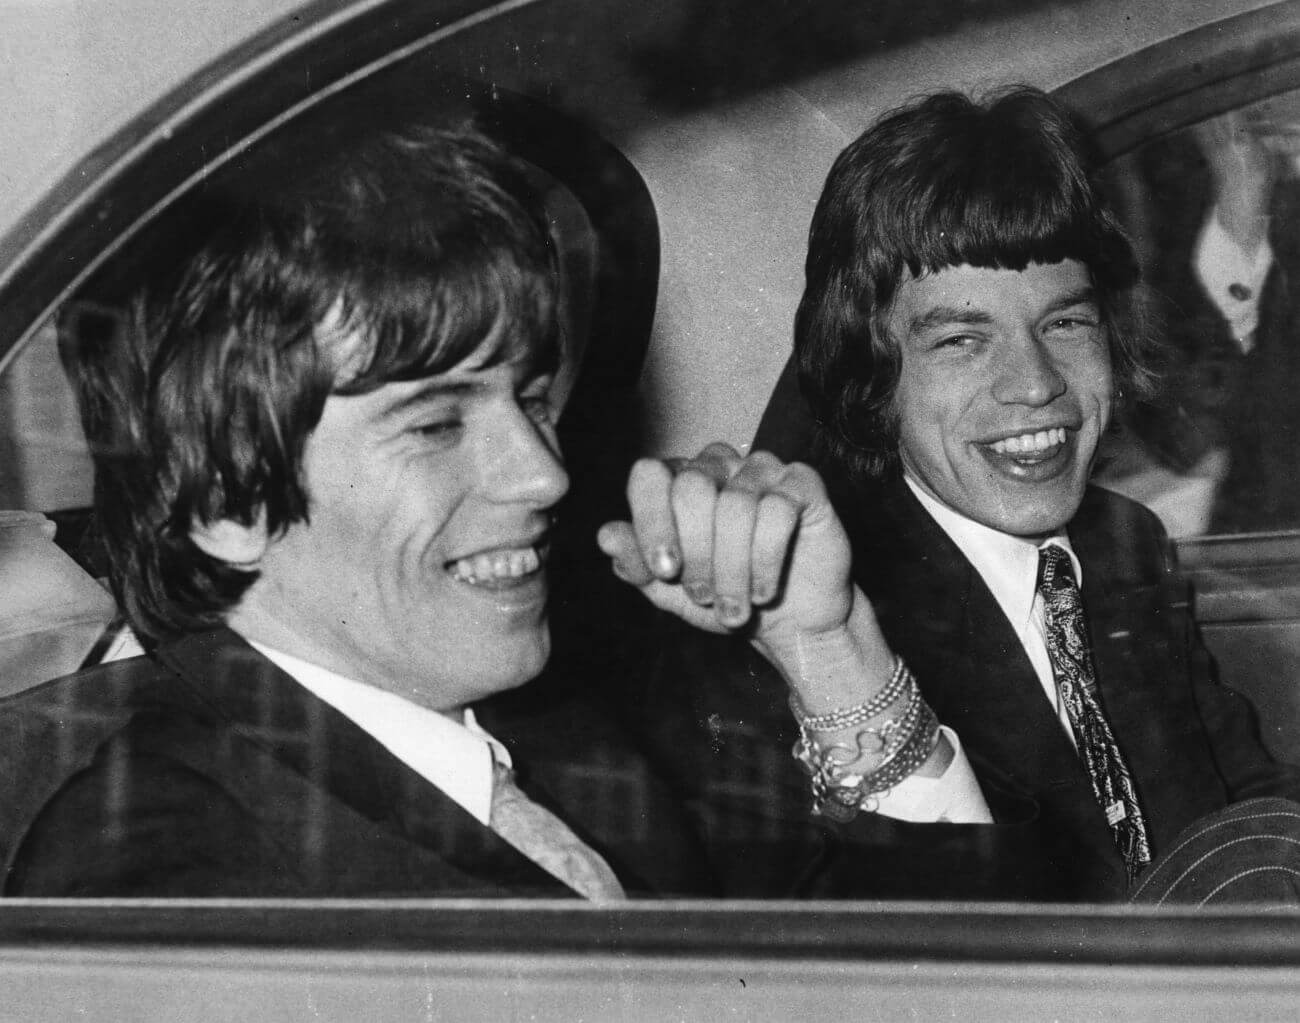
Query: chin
[(488, 683), (526, 664), (1043, 520)]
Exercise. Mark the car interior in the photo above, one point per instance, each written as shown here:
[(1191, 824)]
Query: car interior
[(623, 306), (679, 185)]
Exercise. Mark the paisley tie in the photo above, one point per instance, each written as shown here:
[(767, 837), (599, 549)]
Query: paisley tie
[(548, 841), (1076, 681)]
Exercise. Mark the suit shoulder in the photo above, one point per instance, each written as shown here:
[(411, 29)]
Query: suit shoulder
[(126, 684), (1122, 542), (54, 730), (1118, 516)]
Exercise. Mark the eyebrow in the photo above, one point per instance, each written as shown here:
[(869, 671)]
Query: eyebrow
[(942, 315), (430, 391), (1084, 296), (440, 387)]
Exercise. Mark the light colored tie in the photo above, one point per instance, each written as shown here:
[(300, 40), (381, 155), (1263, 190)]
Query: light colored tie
[(548, 841)]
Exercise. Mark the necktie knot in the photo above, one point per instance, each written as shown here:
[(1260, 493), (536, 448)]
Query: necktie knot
[(1055, 570)]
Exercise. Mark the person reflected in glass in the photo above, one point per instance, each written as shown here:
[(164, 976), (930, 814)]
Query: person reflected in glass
[(1222, 197)]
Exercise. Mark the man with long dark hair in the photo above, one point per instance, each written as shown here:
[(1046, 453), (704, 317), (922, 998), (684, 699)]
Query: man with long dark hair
[(962, 341), (319, 399)]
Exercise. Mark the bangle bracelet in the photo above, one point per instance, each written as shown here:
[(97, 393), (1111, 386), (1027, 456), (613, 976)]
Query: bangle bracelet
[(840, 792), (890, 735), (841, 797), (837, 720)]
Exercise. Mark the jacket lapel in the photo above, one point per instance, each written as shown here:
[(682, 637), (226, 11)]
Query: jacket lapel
[(1138, 619), (937, 612), (351, 795), (977, 674)]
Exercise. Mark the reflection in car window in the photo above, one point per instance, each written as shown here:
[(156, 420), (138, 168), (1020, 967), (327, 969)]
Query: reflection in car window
[(44, 464), (1212, 210)]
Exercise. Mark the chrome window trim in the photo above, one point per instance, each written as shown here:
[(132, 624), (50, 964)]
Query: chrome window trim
[(832, 931), (210, 117), (1189, 77)]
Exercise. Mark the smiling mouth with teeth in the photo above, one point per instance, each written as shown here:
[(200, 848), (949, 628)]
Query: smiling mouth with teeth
[(1031, 446), (496, 568)]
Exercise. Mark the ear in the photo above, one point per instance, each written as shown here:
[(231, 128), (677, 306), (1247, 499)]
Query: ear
[(237, 544)]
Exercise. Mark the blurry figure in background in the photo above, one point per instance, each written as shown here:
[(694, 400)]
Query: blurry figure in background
[(1219, 203)]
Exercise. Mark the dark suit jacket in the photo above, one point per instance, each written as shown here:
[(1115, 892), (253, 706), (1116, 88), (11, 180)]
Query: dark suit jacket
[(1191, 744), (206, 771)]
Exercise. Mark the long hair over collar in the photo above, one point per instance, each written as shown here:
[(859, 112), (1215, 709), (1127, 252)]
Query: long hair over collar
[(325, 263)]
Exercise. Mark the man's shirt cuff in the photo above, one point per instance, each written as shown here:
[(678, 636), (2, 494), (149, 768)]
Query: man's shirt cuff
[(954, 797)]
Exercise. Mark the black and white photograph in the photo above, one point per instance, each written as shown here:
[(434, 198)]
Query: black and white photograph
[(649, 510)]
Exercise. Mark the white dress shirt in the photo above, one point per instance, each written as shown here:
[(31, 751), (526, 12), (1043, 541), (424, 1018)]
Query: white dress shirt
[(1009, 567), (456, 755), (954, 797), (451, 752)]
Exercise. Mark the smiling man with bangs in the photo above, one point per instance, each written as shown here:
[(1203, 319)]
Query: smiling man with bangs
[(319, 397), (962, 342), (326, 469)]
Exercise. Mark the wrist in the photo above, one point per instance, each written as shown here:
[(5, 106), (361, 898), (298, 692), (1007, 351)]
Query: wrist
[(830, 668), (856, 755)]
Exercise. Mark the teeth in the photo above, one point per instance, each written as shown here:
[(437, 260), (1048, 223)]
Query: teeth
[(494, 565), (1030, 443)]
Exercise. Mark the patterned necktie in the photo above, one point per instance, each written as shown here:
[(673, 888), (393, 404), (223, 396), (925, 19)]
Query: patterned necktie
[(1076, 681), (548, 841)]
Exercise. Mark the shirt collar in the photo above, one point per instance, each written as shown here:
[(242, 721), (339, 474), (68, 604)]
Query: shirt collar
[(451, 752), (1007, 564)]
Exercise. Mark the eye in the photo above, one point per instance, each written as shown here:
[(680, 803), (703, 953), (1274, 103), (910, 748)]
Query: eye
[(536, 402), (1074, 324), (440, 427), (538, 410), (443, 430), (956, 342)]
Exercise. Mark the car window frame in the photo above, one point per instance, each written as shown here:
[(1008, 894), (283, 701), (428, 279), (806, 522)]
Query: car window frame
[(1158, 91), (43, 261)]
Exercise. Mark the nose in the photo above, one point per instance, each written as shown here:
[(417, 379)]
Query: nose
[(1027, 374), (524, 463)]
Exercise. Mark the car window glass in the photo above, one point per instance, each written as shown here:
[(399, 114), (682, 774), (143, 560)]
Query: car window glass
[(1180, 453), (1211, 209), (44, 464)]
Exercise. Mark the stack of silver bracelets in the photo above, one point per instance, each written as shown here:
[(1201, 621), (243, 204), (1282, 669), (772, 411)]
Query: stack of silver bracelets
[(897, 743)]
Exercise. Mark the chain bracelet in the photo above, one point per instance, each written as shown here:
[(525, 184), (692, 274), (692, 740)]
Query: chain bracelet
[(840, 793), (838, 720)]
